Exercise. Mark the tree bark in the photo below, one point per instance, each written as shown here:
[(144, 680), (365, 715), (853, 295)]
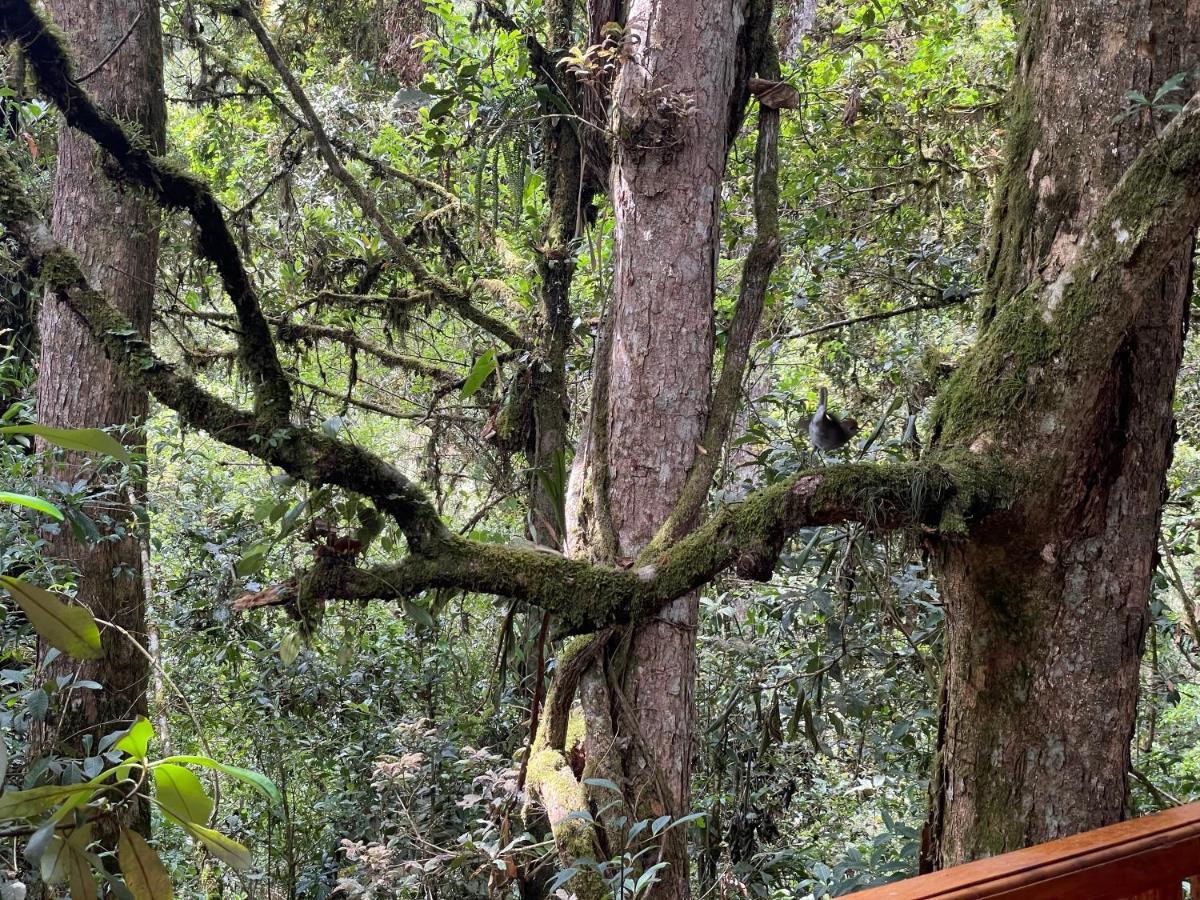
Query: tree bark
[(1047, 604), (113, 228), (671, 114)]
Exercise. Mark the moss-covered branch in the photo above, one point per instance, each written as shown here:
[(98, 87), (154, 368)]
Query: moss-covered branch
[(450, 294), (747, 536), (47, 56)]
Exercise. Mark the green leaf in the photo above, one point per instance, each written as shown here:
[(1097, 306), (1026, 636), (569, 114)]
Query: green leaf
[(181, 794), (289, 648), (249, 564), (32, 503), (256, 780), (136, 741), (484, 366), (442, 108), (88, 440), (71, 629), (223, 848), (49, 851), (145, 875), (417, 613)]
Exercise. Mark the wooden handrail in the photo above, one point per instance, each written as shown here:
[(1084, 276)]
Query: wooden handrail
[(1141, 859)]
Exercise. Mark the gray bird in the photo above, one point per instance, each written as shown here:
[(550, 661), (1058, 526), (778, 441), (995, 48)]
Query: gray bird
[(826, 431)]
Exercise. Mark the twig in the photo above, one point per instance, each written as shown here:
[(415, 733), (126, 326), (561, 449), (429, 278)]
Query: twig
[(111, 53)]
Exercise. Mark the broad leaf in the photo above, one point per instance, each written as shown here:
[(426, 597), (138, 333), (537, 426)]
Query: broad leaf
[(289, 647), (223, 848), (87, 440), (181, 794), (484, 366), (417, 613), (79, 870), (136, 741), (145, 875), (37, 503), (256, 780), (71, 629)]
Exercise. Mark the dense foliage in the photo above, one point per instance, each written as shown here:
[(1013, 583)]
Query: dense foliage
[(396, 733)]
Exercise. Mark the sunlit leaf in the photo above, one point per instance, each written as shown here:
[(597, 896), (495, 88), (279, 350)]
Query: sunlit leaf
[(484, 366), (223, 848), (87, 440), (256, 780), (71, 629), (37, 503), (181, 794), (136, 741)]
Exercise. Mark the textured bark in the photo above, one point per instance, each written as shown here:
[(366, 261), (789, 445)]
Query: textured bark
[(671, 115), (1047, 606), (113, 229)]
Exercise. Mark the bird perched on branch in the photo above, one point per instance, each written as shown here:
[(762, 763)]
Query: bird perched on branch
[(825, 430)]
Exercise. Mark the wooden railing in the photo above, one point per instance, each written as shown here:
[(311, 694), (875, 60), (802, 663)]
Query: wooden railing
[(1143, 859)]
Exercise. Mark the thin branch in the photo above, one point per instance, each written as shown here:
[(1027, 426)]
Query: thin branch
[(346, 336), (173, 188), (113, 52), (939, 303), (449, 293)]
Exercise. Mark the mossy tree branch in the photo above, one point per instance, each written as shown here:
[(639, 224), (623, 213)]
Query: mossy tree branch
[(447, 292), (749, 536), (47, 56)]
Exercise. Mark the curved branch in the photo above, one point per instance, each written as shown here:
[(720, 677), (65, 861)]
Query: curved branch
[(935, 496), (47, 56), (449, 293), (747, 536)]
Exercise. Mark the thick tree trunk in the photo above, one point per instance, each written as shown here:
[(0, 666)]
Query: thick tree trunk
[(1047, 604), (671, 112), (113, 229)]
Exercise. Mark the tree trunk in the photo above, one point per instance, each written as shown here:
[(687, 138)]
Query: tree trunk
[(113, 229), (671, 113), (1047, 604)]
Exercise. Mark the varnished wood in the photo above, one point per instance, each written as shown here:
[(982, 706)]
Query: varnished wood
[(1142, 859)]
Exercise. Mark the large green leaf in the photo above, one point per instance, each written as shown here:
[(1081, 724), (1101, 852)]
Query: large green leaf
[(87, 440), (71, 629), (223, 848), (136, 741), (33, 802), (256, 780), (484, 366), (181, 794), (145, 875), (37, 503)]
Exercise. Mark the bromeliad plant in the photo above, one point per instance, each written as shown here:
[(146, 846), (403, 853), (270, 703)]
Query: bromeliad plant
[(59, 817)]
